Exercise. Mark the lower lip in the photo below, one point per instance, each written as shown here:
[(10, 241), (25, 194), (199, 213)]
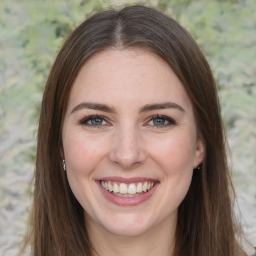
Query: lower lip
[(127, 201)]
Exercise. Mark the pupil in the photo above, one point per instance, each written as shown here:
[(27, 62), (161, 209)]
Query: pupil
[(159, 121), (96, 121)]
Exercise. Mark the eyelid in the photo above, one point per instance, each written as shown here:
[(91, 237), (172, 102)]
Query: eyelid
[(84, 120), (170, 120)]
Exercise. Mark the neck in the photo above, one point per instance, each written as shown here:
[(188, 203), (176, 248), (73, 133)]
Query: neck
[(157, 241)]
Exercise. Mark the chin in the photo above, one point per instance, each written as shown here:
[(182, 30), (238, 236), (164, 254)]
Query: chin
[(128, 226), (131, 231)]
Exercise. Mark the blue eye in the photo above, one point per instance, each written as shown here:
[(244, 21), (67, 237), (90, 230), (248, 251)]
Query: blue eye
[(94, 121), (160, 121)]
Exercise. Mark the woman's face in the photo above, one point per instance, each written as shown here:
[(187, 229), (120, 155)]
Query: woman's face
[(130, 142)]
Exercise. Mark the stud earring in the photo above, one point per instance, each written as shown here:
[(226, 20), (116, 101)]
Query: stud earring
[(197, 169), (64, 165)]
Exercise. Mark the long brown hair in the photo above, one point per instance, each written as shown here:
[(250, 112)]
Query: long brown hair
[(206, 223)]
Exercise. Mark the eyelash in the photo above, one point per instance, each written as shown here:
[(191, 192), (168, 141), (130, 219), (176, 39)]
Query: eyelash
[(85, 121), (167, 119)]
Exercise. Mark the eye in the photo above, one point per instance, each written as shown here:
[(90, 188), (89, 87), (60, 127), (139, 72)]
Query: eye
[(160, 121), (94, 121)]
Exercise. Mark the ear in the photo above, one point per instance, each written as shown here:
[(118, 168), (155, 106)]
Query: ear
[(199, 153), (61, 149)]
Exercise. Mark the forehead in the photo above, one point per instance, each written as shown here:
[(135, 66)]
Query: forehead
[(131, 75)]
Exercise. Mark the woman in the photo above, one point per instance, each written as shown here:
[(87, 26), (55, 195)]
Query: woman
[(131, 151)]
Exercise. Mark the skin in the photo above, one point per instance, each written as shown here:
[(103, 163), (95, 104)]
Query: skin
[(129, 142)]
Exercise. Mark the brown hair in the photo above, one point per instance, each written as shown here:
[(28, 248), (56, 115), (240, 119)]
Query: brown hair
[(205, 218)]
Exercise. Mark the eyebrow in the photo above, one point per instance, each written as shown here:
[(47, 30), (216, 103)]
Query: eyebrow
[(165, 105), (95, 106), (146, 108)]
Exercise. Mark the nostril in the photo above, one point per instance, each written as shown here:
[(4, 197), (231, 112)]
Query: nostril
[(127, 148), (127, 156)]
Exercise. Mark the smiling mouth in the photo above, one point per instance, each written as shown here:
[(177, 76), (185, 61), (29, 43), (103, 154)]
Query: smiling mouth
[(127, 190)]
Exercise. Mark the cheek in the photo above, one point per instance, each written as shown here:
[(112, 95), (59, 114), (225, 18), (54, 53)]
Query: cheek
[(175, 159), (176, 162), (82, 154), (174, 153)]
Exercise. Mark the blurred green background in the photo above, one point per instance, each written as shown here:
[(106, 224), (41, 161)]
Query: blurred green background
[(32, 31)]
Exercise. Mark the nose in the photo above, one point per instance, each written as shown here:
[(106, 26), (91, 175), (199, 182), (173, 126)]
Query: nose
[(127, 149)]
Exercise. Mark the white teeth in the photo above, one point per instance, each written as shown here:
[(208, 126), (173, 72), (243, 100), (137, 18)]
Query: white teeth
[(123, 189), (115, 188), (132, 189), (103, 184), (139, 188), (145, 187)]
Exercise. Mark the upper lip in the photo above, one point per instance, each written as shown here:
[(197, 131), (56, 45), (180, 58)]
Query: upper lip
[(127, 180)]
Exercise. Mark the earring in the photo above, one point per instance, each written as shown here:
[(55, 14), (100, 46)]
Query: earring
[(197, 169), (64, 165)]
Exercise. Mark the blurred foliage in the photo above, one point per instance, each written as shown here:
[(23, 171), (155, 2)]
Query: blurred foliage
[(32, 31)]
